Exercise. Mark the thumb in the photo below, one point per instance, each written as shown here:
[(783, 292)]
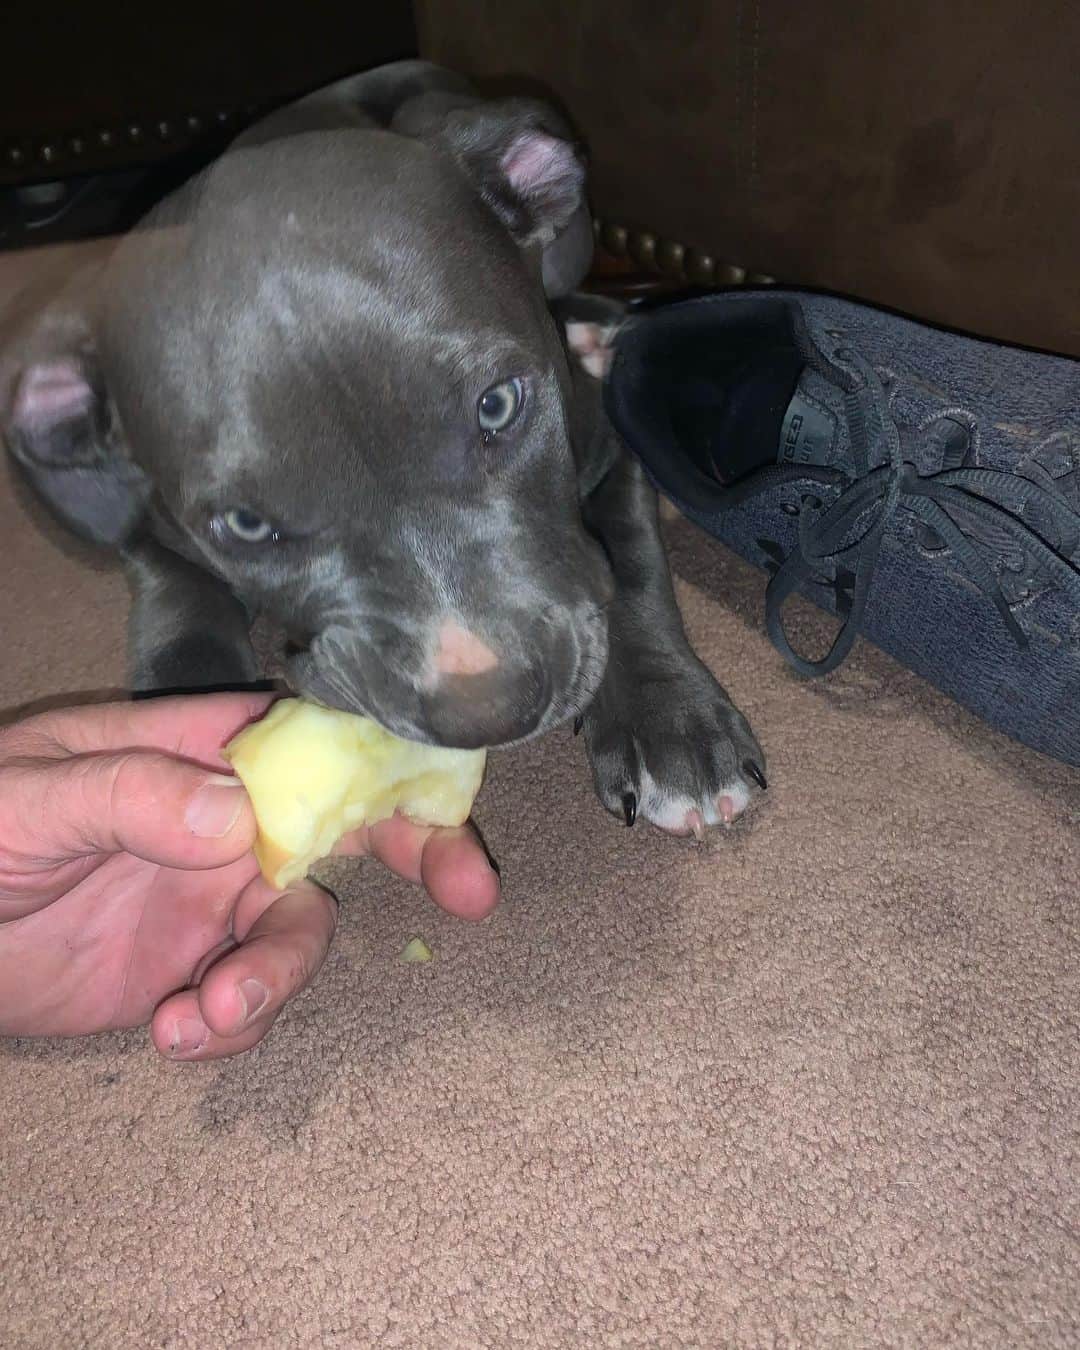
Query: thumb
[(151, 805)]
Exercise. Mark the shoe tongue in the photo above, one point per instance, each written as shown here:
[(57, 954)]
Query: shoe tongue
[(814, 429), (807, 433), (768, 408), (729, 420)]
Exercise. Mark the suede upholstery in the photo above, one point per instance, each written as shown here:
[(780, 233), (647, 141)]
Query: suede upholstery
[(920, 157)]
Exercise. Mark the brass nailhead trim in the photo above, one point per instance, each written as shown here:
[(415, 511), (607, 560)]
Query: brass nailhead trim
[(669, 257), (120, 139)]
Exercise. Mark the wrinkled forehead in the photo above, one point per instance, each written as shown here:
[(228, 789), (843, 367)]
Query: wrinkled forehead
[(321, 296), (325, 226), (394, 331), (396, 295)]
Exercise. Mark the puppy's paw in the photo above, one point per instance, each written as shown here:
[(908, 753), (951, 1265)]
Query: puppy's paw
[(669, 746), (590, 323), (591, 344)]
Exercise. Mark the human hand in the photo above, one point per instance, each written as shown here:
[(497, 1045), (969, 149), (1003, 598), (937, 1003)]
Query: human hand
[(129, 893)]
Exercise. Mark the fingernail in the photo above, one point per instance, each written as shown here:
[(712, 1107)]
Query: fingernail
[(253, 995), (189, 1035), (216, 807)]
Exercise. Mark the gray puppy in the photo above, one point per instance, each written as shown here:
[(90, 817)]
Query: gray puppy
[(323, 382)]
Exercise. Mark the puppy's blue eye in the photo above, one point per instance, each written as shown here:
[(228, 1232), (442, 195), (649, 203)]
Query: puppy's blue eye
[(247, 527), (499, 405)]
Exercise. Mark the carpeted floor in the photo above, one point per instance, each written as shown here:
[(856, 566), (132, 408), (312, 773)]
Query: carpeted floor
[(814, 1083)]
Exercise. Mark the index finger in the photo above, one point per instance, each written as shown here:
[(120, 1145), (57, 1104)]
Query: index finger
[(191, 726)]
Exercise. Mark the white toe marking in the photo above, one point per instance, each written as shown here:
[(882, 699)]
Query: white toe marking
[(598, 363), (591, 344), (582, 337), (675, 812)]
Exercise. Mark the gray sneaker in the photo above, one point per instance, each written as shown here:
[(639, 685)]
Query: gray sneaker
[(923, 486)]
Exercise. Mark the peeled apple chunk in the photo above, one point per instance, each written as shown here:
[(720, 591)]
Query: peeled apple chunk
[(314, 773)]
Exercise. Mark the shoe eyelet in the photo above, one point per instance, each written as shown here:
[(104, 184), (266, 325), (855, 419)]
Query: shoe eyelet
[(810, 502), (789, 508)]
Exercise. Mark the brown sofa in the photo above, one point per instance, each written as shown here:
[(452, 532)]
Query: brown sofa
[(107, 106), (93, 87), (921, 156)]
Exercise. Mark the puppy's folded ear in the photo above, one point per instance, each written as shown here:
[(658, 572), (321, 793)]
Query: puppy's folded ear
[(524, 163), (61, 430), (527, 166)]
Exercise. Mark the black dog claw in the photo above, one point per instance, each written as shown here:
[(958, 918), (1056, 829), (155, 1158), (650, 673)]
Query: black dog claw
[(629, 807), (755, 773), (579, 722)]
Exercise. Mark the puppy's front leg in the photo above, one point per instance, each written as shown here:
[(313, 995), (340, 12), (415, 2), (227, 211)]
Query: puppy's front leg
[(665, 741), (187, 632)]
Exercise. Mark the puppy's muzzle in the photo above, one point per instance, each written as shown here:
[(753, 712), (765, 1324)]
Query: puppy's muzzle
[(461, 688)]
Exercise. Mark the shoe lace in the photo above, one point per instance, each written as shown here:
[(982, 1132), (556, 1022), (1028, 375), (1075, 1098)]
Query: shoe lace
[(848, 532)]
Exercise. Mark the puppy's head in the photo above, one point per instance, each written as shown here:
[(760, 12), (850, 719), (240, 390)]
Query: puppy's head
[(326, 372)]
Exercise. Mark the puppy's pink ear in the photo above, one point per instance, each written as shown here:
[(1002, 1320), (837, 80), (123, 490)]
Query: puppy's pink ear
[(58, 426), (50, 395), (546, 176), (524, 161)]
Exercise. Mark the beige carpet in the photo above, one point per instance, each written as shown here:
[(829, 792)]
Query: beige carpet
[(815, 1083)]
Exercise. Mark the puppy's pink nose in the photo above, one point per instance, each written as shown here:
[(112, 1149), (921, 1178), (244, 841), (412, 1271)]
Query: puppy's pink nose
[(459, 652)]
